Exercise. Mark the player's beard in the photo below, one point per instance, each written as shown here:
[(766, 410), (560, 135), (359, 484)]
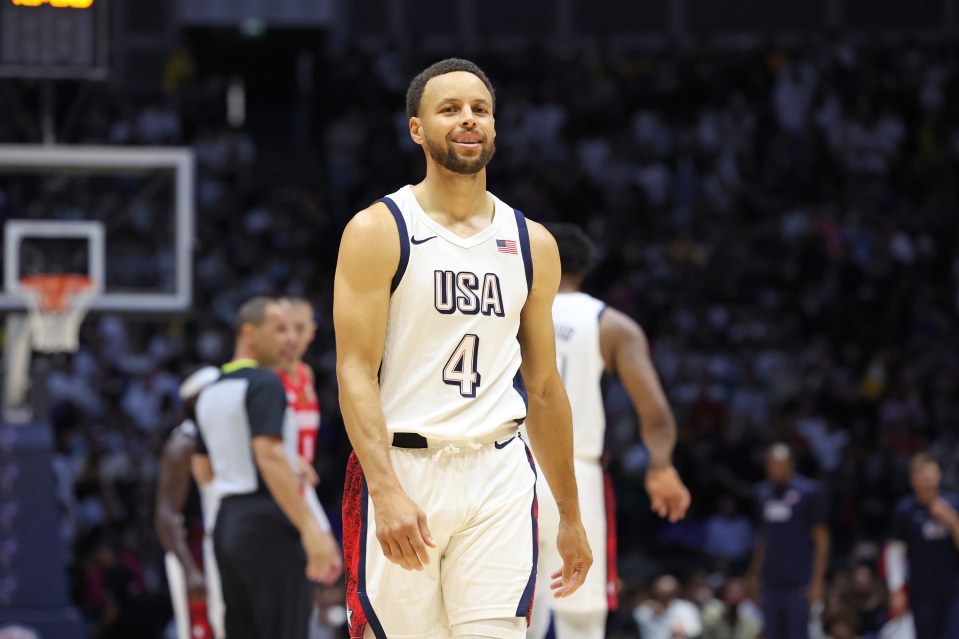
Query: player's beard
[(448, 159)]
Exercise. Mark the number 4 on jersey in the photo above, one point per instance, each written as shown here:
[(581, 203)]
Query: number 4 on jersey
[(460, 370)]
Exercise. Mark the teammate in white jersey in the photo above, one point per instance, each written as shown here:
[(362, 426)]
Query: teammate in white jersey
[(194, 593), (441, 293), (592, 339)]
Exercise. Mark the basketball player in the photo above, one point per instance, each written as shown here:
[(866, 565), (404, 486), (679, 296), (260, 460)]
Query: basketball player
[(441, 292), (299, 383), (925, 544), (592, 339), (196, 597)]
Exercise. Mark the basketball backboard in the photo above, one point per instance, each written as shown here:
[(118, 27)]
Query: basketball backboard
[(122, 216)]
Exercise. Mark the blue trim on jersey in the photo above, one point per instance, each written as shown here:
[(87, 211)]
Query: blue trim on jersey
[(602, 310), (371, 618), (404, 242), (526, 601), (519, 385), (524, 246)]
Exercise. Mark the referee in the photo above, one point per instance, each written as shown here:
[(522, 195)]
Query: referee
[(268, 545)]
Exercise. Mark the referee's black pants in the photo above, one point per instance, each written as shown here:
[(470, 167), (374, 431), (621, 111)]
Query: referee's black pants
[(262, 569)]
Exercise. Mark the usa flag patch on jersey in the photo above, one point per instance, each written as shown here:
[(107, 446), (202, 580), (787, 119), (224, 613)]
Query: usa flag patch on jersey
[(506, 246)]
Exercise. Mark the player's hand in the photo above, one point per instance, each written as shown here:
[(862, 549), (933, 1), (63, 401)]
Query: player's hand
[(943, 511), (577, 558), (195, 585), (898, 603), (668, 496), (320, 551), (305, 472), (336, 562), (402, 531)]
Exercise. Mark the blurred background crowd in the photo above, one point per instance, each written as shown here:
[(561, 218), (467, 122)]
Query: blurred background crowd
[(781, 220)]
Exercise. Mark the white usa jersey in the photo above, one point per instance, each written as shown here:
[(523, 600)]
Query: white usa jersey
[(580, 362), (451, 358)]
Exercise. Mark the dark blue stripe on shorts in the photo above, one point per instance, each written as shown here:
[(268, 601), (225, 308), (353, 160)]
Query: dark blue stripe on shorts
[(371, 618), (522, 610)]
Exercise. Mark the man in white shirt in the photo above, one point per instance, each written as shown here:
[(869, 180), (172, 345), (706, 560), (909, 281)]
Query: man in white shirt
[(665, 615)]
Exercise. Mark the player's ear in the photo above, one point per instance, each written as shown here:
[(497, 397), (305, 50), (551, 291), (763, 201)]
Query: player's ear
[(416, 130), (247, 331)]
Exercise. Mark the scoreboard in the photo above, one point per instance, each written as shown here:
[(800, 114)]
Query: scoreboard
[(54, 38)]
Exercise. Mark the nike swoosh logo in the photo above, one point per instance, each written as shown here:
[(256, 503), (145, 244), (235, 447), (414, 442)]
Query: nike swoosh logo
[(504, 444), (416, 241)]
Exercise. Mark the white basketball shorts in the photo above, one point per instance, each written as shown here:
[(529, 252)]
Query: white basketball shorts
[(480, 503)]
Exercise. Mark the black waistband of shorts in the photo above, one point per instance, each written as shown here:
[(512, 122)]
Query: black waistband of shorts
[(251, 496), (415, 440), (409, 440)]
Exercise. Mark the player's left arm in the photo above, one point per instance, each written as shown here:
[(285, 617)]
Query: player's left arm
[(820, 561), (625, 352), (173, 486), (821, 542), (549, 422)]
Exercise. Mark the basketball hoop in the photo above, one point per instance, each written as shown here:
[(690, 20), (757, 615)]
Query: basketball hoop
[(57, 304)]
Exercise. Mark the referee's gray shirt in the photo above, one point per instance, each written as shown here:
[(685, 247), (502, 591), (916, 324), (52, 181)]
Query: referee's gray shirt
[(245, 402)]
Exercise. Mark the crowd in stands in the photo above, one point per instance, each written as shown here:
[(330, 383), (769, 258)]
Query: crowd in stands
[(782, 221)]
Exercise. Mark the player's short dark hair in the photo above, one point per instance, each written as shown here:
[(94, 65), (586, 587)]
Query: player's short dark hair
[(296, 300), (576, 251), (414, 94), (253, 311)]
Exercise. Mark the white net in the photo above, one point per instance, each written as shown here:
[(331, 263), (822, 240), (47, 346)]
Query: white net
[(57, 331)]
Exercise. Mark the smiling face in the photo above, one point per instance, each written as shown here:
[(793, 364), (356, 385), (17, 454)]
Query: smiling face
[(456, 124)]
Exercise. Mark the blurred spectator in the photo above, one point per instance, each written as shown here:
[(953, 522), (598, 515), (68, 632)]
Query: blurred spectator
[(330, 617), (665, 616), (729, 536), (733, 615)]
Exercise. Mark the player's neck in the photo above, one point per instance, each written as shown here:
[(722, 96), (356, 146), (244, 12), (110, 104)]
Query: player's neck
[(570, 284), (292, 369), (244, 351), (452, 195)]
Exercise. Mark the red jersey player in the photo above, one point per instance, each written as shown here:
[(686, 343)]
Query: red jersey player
[(297, 377)]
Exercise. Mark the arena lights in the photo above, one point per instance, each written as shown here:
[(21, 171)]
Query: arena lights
[(59, 4)]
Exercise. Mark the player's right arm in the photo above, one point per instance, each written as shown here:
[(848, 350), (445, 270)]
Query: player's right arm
[(368, 258), (173, 485), (625, 352)]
